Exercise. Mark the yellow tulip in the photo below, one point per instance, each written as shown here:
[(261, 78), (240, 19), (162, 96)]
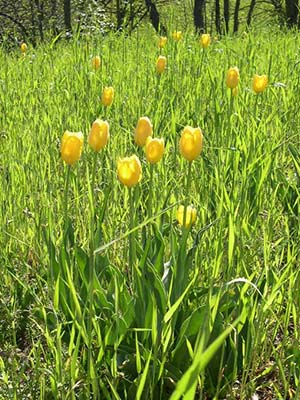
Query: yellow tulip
[(235, 91), (191, 215), (259, 83), (233, 76), (142, 131), (177, 35), (162, 42), (107, 96), (191, 143), (161, 64), (99, 134), (129, 170), (96, 62), (205, 40), (154, 149), (23, 47), (71, 147)]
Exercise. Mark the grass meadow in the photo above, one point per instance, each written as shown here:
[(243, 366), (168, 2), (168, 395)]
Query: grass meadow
[(103, 294)]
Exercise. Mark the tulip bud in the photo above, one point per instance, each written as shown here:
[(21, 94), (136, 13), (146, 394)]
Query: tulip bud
[(190, 217), (233, 76), (129, 170), (161, 64), (23, 47), (142, 131), (191, 143), (107, 96), (96, 62), (259, 83), (71, 147), (235, 91), (99, 135), (205, 40), (162, 42), (177, 35), (154, 149)]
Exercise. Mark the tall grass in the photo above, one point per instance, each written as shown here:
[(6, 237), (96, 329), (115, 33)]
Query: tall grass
[(206, 312)]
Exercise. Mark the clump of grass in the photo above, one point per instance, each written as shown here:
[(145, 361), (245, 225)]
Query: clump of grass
[(191, 311)]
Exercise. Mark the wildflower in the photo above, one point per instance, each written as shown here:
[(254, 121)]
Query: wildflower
[(233, 76), (177, 35), (142, 131), (71, 147), (129, 170), (99, 135), (191, 143), (154, 149), (107, 96), (190, 217), (96, 62), (161, 64), (205, 40), (23, 47), (162, 42), (259, 83)]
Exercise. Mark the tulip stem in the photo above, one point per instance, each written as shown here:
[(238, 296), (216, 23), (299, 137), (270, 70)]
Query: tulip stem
[(187, 189), (150, 196), (66, 199), (91, 269), (132, 256), (230, 108)]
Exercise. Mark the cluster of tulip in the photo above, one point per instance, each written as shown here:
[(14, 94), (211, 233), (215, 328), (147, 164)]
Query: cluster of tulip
[(129, 169), (259, 82), (161, 62)]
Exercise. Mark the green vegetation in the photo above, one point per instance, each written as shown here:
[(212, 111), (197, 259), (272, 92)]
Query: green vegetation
[(102, 294)]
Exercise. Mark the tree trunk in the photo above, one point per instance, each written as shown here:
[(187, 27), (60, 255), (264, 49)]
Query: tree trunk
[(154, 17), (250, 12), (291, 7), (120, 15), (67, 15), (32, 16), (218, 17), (54, 16), (198, 15), (226, 15), (40, 17), (236, 16)]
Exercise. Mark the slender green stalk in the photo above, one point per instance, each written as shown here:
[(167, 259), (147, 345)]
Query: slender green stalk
[(132, 249), (66, 202), (91, 270), (187, 191), (150, 195), (230, 109)]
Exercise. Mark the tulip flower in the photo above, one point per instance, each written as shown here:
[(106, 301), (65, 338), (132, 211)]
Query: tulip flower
[(107, 96), (142, 131), (23, 48), (162, 42), (99, 135), (154, 149), (191, 143), (177, 35), (233, 76), (129, 170), (259, 83), (190, 217), (161, 64), (71, 147), (96, 62), (205, 40)]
